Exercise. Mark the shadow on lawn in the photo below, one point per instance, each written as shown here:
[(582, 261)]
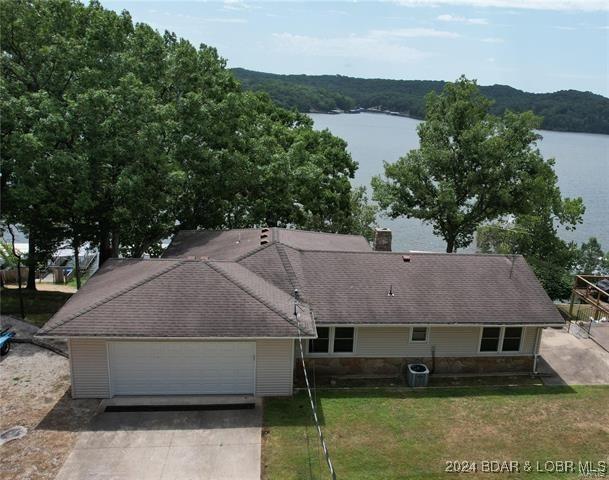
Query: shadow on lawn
[(296, 411), (446, 392)]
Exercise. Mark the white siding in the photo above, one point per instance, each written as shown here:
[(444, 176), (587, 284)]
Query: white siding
[(89, 366), (528, 341), (395, 342), (391, 341), (274, 367), (448, 342), (455, 341)]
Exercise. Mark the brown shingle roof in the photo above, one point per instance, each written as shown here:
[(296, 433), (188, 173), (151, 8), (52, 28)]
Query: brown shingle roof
[(234, 244), (185, 298), (252, 297), (352, 287)]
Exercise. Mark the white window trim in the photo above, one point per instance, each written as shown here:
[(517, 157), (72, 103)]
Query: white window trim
[(501, 337), (419, 342), (330, 343), (331, 351), (522, 334)]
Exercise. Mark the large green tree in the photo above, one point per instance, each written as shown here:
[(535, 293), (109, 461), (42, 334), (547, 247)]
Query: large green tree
[(471, 167), (52, 52), (117, 135)]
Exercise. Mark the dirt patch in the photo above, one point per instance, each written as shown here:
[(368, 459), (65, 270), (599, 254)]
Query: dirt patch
[(34, 388)]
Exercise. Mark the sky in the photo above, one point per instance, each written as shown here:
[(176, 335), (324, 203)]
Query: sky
[(533, 45)]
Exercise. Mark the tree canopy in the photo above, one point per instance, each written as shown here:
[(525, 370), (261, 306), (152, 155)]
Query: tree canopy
[(472, 167), (591, 259), (115, 134), (535, 236)]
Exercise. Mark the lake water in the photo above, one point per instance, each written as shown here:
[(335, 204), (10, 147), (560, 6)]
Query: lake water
[(582, 166)]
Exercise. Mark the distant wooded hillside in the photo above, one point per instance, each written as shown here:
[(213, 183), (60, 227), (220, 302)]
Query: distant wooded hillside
[(566, 110)]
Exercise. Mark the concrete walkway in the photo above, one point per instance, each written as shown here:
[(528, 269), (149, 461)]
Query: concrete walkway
[(197, 445), (568, 360)]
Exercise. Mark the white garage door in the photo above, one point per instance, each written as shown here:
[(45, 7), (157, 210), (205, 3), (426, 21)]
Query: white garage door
[(182, 368)]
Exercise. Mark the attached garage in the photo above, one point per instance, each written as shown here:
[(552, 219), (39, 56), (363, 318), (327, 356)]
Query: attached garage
[(182, 368), (179, 327), (103, 368)]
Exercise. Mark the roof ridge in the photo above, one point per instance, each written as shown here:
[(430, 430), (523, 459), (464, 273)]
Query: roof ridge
[(252, 294), (455, 254), (320, 233), (216, 229), (115, 295), (153, 259)]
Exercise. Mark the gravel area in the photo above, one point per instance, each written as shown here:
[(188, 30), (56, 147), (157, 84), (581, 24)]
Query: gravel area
[(34, 388)]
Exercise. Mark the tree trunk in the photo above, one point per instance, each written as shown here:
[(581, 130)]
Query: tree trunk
[(115, 244), (105, 250), (20, 294), (31, 263), (450, 245), (76, 246)]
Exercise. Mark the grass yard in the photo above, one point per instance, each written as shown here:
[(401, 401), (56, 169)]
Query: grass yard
[(402, 434), (39, 306)]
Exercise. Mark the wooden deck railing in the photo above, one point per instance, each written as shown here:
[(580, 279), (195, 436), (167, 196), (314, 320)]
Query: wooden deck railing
[(585, 289)]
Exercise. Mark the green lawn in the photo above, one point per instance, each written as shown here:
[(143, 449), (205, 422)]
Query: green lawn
[(403, 434), (39, 306)]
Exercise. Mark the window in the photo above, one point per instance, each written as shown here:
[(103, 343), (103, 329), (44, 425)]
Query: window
[(490, 339), (320, 344), (418, 334), (511, 339), (343, 339), (333, 340)]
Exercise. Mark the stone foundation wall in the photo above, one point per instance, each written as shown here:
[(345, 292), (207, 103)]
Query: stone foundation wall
[(339, 366)]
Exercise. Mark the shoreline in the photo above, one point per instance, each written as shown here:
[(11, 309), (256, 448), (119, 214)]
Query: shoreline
[(403, 115)]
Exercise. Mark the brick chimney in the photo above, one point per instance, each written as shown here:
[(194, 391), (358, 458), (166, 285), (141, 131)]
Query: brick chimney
[(382, 240)]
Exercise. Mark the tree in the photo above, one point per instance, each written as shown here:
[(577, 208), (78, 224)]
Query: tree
[(471, 167), (51, 52), (535, 236), (591, 259), (117, 135), (363, 214)]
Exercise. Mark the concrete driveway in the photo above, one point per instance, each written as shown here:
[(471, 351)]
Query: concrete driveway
[(201, 445), (600, 332), (569, 360)]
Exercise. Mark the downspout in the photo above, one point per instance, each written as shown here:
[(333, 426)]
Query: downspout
[(537, 340)]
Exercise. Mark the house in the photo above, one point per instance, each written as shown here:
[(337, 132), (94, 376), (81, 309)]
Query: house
[(215, 315)]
